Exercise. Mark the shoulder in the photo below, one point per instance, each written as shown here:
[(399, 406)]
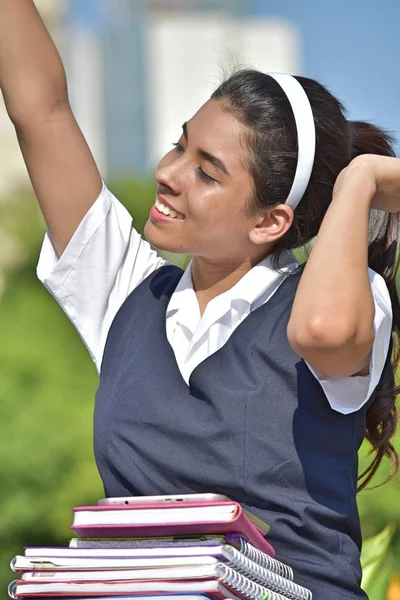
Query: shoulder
[(159, 284), (288, 288), (145, 306), (164, 280)]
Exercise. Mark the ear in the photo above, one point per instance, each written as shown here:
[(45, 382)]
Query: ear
[(272, 224)]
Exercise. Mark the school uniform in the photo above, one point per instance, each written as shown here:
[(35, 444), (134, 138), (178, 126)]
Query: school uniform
[(219, 403)]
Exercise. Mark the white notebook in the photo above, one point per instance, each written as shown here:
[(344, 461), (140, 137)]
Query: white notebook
[(132, 589), (166, 596), (238, 557), (206, 571), (63, 568), (152, 516), (220, 581), (179, 569), (61, 564)]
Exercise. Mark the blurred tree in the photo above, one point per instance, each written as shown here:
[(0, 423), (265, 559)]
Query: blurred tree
[(378, 563), (393, 592)]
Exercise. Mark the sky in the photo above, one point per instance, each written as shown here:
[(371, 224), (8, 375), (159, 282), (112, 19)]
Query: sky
[(353, 48)]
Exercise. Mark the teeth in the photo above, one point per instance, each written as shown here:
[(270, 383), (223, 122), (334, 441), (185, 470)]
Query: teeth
[(169, 212)]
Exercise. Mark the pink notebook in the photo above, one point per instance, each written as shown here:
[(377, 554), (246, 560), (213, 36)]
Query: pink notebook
[(96, 522), (197, 589)]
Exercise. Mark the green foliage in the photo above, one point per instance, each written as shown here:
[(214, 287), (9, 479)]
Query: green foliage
[(379, 503), (47, 384), (128, 192), (378, 563), (47, 388)]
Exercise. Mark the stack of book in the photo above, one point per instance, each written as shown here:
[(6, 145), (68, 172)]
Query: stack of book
[(195, 550)]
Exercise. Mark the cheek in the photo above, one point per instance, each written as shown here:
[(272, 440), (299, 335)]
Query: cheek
[(207, 206), (217, 221)]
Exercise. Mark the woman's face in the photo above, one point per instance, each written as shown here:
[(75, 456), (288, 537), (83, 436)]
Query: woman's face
[(203, 191)]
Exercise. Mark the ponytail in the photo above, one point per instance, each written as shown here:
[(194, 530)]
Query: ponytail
[(382, 415)]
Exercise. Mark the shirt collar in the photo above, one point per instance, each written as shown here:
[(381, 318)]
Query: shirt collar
[(183, 292), (183, 304), (262, 280)]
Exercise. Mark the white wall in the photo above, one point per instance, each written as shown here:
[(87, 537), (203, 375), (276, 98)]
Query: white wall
[(187, 54), (82, 56), (84, 67)]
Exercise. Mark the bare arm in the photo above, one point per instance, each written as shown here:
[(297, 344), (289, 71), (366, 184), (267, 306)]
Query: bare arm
[(32, 79), (331, 325)]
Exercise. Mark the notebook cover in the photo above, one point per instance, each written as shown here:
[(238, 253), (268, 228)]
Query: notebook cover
[(240, 524), (94, 546), (155, 506), (42, 568), (17, 589), (263, 527), (167, 596), (22, 564)]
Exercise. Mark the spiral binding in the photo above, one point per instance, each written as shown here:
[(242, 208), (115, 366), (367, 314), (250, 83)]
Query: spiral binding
[(263, 576), (12, 588), (245, 587), (264, 560)]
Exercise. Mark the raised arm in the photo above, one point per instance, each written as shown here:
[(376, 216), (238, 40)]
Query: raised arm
[(32, 79), (332, 322)]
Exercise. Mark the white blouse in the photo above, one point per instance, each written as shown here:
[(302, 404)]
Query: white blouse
[(106, 259)]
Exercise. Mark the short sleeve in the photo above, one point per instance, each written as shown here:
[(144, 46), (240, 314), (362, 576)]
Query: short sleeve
[(349, 394), (103, 262)]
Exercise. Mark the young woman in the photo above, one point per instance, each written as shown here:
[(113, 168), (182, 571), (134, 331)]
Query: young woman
[(246, 374)]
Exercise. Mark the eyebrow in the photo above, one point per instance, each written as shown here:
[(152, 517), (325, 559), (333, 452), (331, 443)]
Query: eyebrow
[(214, 160)]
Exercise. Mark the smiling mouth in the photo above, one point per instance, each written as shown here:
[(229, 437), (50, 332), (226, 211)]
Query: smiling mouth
[(167, 211)]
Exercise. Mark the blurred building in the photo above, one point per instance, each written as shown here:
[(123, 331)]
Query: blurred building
[(139, 69), (12, 169), (188, 54), (13, 173)]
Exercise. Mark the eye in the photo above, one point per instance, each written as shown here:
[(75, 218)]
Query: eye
[(203, 175), (178, 147)]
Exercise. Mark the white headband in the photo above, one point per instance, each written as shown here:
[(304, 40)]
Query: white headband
[(304, 119)]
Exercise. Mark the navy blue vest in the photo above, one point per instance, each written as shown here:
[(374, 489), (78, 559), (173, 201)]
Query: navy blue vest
[(253, 424)]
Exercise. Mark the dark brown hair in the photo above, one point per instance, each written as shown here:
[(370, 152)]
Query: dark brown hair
[(259, 102)]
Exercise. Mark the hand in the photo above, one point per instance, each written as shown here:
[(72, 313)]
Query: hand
[(376, 177)]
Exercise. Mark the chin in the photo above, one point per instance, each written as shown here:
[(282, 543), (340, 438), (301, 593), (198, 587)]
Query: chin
[(160, 240)]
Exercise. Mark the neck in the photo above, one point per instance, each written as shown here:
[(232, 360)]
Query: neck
[(210, 279)]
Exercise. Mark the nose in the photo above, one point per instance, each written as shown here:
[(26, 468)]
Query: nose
[(167, 176), (163, 184)]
